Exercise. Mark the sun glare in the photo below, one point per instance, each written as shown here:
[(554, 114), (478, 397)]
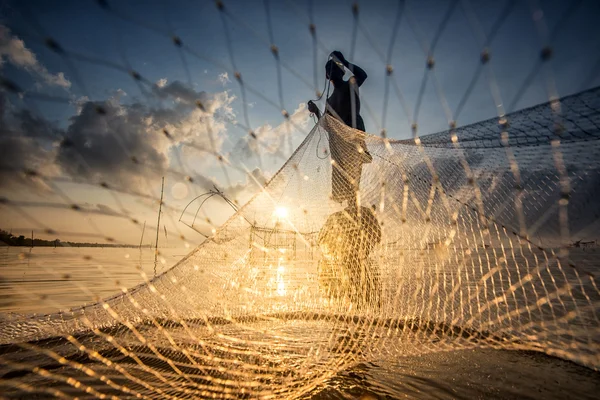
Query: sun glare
[(281, 212)]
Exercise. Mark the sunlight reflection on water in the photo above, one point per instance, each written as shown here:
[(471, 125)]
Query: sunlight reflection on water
[(46, 279), (42, 280)]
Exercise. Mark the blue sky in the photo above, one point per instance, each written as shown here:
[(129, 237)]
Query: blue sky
[(137, 35)]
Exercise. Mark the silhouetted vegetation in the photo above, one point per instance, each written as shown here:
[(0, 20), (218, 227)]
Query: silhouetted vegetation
[(8, 239)]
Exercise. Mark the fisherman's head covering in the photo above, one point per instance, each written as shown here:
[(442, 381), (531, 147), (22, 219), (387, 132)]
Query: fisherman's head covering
[(333, 71)]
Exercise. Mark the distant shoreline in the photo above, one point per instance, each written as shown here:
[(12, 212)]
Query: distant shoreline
[(8, 239), (74, 244)]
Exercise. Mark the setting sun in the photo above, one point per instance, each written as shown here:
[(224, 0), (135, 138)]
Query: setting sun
[(281, 212)]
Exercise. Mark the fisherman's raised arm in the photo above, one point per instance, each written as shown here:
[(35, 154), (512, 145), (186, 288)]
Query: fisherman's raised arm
[(359, 74)]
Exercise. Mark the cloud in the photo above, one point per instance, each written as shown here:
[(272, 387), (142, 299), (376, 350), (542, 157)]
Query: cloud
[(161, 83), (113, 145), (14, 50), (243, 191), (122, 144), (79, 102), (274, 140), (224, 78), (26, 144), (126, 143)]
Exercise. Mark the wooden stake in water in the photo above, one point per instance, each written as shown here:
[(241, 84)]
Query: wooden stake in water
[(158, 224), (142, 238)]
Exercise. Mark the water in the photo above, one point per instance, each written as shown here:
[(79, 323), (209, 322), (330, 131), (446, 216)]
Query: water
[(44, 280)]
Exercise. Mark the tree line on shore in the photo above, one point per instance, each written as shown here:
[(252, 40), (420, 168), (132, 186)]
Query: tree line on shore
[(8, 239)]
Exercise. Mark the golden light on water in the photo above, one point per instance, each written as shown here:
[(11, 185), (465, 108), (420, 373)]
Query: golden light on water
[(280, 282)]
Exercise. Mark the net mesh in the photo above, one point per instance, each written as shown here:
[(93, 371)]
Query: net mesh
[(361, 246)]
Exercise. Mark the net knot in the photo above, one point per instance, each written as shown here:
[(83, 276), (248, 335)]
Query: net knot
[(103, 4), (430, 62), (135, 75), (66, 142), (485, 56), (54, 46), (10, 85), (546, 53)]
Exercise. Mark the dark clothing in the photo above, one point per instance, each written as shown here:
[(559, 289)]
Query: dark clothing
[(348, 157), (345, 101), (339, 104)]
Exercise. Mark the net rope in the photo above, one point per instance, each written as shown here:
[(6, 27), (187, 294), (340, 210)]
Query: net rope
[(360, 246)]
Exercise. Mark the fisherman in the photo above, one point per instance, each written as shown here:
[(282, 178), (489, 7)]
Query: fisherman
[(348, 149), (346, 240)]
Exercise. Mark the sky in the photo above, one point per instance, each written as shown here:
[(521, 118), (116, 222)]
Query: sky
[(80, 119)]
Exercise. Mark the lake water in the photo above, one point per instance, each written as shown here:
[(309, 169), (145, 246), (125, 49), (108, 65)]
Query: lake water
[(43, 280), (46, 279)]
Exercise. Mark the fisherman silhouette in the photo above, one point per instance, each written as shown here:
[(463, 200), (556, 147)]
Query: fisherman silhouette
[(347, 156), (345, 271), (348, 236)]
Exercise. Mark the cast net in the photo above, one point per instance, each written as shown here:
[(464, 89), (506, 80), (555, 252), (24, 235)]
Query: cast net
[(359, 247)]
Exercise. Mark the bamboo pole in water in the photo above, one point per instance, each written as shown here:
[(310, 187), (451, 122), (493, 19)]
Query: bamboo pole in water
[(142, 238)]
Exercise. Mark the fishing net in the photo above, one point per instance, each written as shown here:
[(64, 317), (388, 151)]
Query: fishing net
[(359, 247)]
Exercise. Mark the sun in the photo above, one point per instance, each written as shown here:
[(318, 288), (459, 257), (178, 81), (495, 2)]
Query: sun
[(281, 212)]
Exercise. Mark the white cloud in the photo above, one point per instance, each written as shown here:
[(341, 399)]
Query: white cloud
[(79, 102), (275, 140), (123, 144), (14, 50), (224, 78), (161, 83), (254, 182)]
